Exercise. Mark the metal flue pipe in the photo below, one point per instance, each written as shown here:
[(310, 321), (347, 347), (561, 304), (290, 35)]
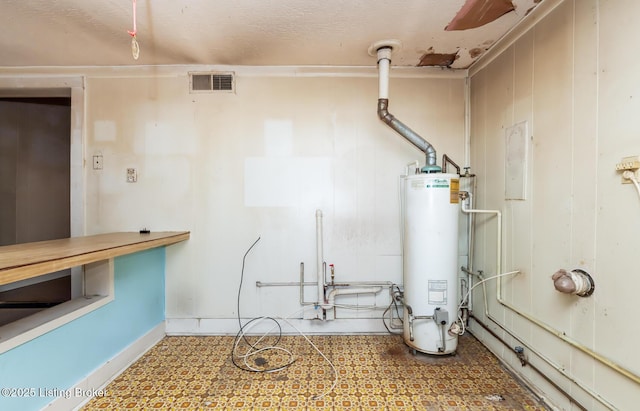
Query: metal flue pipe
[(384, 63)]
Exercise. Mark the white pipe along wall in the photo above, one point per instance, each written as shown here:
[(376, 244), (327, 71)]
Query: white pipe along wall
[(319, 257)]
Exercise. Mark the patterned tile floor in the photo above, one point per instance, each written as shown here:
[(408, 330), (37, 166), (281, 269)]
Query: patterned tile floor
[(374, 372)]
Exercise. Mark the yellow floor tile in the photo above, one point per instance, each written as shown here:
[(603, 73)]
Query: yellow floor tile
[(374, 372)]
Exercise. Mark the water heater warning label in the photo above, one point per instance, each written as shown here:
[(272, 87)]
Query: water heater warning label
[(437, 291), (454, 197)]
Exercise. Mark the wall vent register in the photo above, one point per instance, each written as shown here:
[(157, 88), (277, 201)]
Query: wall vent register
[(211, 82)]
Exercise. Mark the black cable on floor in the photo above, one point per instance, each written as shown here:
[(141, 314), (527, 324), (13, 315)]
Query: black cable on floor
[(241, 334), (242, 278)]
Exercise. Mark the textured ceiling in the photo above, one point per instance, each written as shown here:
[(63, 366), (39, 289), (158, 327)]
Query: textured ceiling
[(249, 32)]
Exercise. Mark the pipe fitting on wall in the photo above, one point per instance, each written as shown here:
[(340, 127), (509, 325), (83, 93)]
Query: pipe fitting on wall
[(577, 282)]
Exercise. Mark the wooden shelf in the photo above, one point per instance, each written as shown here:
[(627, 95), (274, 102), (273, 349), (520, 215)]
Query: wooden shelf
[(23, 261)]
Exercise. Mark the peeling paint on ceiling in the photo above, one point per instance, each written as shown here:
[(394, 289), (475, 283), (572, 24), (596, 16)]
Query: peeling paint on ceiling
[(438, 59), (243, 32), (477, 13)]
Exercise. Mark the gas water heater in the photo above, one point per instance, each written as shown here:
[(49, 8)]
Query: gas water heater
[(430, 241), (430, 261)]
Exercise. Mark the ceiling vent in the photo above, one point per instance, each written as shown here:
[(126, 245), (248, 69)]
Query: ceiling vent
[(212, 82)]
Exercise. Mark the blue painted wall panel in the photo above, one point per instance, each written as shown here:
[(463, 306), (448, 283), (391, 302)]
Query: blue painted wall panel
[(61, 358)]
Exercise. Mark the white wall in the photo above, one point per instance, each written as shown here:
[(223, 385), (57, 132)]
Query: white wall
[(573, 79), (230, 167)]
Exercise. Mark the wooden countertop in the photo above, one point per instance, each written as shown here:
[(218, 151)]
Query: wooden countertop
[(23, 261)]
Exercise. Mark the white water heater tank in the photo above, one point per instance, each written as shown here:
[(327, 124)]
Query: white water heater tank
[(430, 261)]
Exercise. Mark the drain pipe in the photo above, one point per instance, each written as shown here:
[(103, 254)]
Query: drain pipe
[(319, 258), (383, 51)]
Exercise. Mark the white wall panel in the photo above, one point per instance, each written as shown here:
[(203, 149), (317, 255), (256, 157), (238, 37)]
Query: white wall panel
[(575, 83), (584, 192), (552, 160), (618, 211)]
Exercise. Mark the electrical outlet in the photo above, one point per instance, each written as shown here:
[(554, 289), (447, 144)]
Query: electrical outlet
[(629, 164), (97, 162), (132, 175)]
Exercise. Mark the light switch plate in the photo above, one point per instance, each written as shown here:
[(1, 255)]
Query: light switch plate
[(97, 162)]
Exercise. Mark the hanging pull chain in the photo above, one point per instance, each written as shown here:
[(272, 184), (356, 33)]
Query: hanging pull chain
[(135, 48)]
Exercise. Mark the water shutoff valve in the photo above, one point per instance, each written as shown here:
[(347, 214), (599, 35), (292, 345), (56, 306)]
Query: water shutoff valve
[(520, 354)]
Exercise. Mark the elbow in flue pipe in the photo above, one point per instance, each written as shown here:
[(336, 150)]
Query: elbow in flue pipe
[(384, 63), (577, 282)]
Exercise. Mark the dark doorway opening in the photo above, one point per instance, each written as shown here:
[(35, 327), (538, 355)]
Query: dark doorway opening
[(35, 147)]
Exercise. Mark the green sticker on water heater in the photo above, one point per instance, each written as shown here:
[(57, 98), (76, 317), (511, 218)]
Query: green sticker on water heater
[(437, 183)]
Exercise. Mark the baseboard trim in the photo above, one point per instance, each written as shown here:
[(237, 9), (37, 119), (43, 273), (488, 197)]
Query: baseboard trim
[(228, 326), (98, 380)]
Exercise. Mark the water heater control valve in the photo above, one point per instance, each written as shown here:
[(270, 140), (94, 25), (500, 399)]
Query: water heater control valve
[(441, 316)]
